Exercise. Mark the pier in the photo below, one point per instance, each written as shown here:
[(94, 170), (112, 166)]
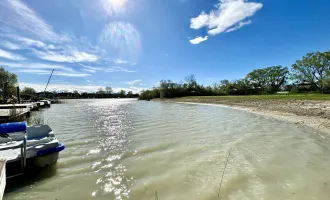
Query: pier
[(11, 112), (2, 177)]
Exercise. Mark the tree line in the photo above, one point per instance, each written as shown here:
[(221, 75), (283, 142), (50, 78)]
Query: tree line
[(309, 74), (107, 92), (8, 91)]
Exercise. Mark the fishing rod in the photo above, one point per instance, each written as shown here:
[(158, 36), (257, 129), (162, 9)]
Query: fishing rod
[(49, 80)]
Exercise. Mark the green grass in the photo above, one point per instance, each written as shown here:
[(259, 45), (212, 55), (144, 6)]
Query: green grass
[(271, 97)]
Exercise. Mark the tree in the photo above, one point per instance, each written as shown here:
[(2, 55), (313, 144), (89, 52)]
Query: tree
[(268, 79), (108, 90), (130, 94), (122, 93), (313, 68), (191, 83), (100, 91), (76, 93), (29, 91), (8, 81)]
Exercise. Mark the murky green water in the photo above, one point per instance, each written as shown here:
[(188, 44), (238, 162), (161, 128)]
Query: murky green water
[(128, 149)]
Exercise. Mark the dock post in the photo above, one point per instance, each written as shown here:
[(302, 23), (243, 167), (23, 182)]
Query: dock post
[(18, 95)]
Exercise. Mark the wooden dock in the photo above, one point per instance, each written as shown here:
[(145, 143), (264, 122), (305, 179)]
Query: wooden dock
[(2, 177), (13, 112), (31, 106), (9, 114)]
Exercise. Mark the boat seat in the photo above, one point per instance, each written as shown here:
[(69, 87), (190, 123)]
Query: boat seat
[(38, 131)]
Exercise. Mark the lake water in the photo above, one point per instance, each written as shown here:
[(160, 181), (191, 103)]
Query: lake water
[(128, 149)]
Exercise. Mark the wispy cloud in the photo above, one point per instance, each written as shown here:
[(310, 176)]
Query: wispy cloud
[(22, 25), (18, 16), (91, 69), (40, 68), (238, 26), (46, 48), (56, 73), (70, 57), (198, 40), (10, 45), (227, 16), (119, 61), (134, 82), (10, 56)]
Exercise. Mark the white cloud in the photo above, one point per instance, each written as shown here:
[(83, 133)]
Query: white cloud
[(198, 40), (70, 57), (134, 82), (21, 24), (91, 69), (10, 56), (29, 42), (238, 26), (56, 73), (17, 15), (228, 13), (119, 61), (10, 45), (116, 69), (47, 72), (40, 68), (27, 65)]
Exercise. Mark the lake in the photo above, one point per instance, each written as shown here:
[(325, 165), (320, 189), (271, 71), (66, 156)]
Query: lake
[(128, 149)]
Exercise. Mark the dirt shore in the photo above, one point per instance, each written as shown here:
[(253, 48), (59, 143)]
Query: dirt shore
[(312, 113)]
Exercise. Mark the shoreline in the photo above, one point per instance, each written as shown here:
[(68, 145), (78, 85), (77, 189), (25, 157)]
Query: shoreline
[(310, 113)]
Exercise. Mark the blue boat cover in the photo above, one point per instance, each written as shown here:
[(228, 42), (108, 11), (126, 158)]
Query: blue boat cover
[(60, 147), (13, 127)]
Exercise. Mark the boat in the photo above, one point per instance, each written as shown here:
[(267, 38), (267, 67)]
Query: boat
[(28, 146), (46, 103)]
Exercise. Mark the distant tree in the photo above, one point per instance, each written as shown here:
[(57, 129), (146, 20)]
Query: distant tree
[(192, 85), (108, 90), (130, 94), (122, 93), (8, 81), (313, 68), (100, 91), (76, 93), (29, 91)]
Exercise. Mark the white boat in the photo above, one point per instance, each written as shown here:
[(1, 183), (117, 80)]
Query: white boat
[(46, 103), (34, 145)]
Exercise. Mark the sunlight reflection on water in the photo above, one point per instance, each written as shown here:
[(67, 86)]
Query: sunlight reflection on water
[(125, 149)]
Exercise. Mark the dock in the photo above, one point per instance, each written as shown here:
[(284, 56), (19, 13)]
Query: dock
[(2, 177), (9, 114), (12, 112), (31, 106)]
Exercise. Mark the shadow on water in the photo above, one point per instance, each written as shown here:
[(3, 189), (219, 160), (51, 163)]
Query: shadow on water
[(31, 177)]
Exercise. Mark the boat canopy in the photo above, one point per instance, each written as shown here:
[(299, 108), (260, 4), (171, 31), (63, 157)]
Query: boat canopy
[(13, 127)]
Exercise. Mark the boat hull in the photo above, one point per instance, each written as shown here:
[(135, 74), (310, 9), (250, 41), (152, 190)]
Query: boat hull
[(44, 161)]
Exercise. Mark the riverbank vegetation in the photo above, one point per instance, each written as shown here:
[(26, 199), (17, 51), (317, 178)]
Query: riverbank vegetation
[(311, 74), (9, 91)]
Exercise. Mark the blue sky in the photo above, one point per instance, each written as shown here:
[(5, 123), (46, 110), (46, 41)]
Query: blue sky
[(132, 44)]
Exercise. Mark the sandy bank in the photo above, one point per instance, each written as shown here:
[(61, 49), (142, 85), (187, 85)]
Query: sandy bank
[(312, 113)]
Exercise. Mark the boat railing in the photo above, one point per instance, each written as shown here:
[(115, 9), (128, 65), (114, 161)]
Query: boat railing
[(22, 144)]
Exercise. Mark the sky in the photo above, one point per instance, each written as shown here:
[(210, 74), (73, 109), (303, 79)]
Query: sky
[(133, 44)]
